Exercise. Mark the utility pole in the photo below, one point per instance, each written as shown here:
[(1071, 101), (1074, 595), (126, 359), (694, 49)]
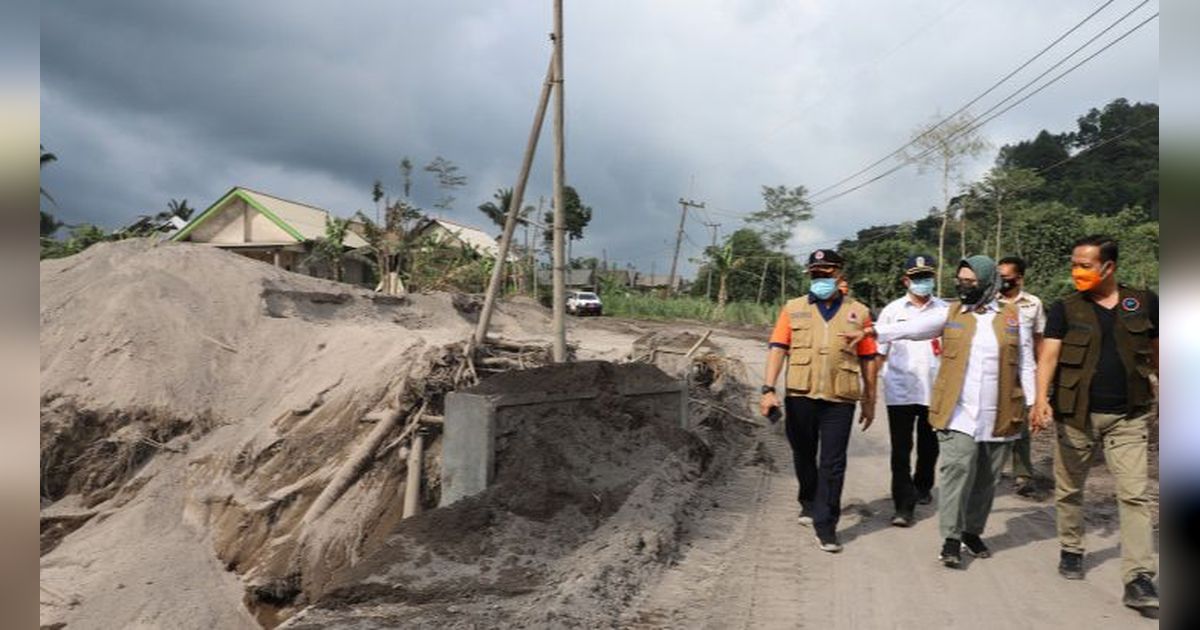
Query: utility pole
[(560, 219), (514, 207), (708, 284), (684, 204)]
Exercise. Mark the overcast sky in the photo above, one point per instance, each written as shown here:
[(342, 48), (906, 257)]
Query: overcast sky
[(145, 101)]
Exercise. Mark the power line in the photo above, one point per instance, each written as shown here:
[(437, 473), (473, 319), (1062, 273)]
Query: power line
[(968, 104), (980, 123)]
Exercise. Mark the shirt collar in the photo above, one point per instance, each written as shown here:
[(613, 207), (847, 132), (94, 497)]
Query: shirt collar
[(837, 299)]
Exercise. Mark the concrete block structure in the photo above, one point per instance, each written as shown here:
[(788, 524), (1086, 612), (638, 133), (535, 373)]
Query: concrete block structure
[(510, 400)]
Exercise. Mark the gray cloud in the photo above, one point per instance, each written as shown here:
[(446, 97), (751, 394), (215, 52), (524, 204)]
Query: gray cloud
[(145, 101)]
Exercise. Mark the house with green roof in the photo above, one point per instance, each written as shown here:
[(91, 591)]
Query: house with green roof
[(271, 229)]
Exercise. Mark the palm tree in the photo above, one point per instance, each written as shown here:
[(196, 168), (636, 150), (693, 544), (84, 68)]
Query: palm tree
[(723, 262), (179, 209), (47, 158)]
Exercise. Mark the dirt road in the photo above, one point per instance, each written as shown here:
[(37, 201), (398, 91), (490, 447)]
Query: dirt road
[(747, 563)]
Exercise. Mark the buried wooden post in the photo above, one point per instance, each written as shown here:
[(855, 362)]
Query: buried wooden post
[(412, 485)]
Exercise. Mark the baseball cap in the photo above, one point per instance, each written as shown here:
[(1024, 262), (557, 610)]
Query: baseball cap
[(920, 263), (825, 257)]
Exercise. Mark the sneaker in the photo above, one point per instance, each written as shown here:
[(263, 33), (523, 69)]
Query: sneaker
[(975, 546), (902, 519), (829, 544), (924, 497), (1070, 565), (805, 517), (1024, 487), (1141, 595), (951, 555)]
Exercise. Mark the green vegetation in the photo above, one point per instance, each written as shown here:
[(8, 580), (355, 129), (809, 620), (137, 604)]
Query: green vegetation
[(1035, 205), (648, 306)]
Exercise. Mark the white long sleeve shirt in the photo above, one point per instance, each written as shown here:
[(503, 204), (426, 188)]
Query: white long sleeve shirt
[(911, 366), (975, 412)]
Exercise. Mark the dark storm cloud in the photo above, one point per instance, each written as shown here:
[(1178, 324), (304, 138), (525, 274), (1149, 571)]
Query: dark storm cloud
[(147, 101)]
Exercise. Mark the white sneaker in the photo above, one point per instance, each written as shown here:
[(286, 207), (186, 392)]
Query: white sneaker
[(804, 520), (831, 546)]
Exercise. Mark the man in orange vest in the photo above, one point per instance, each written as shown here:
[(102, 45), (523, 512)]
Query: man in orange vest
[(825, 380), (1100, 349), (980, 400)]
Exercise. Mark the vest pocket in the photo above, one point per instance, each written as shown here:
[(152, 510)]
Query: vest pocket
[(1067, 391), (801, 335), (799, 374), (1072, 354), (846, 383)]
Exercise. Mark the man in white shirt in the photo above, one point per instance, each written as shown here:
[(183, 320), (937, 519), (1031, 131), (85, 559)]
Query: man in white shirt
[(909, 368), (980, 400), (1012, 291)]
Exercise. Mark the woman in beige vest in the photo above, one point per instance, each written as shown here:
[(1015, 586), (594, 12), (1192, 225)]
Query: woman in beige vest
[(979, 402)]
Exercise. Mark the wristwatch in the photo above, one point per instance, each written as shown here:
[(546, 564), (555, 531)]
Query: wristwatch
[(768, 389)]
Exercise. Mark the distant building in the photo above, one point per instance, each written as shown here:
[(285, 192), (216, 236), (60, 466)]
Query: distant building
[(649, 281), (271, 229), (572, 278), (454, 233)]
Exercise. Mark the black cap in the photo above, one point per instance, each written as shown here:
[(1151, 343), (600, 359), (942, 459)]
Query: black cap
[(921, 263), (825, 257)]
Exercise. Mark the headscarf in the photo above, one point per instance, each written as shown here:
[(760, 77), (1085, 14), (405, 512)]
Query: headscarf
[(986, 273)]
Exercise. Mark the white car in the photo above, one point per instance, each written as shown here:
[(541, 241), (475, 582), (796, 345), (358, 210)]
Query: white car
[(584, 303)]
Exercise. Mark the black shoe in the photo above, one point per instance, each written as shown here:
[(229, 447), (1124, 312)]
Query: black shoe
[(902, 519), (924, 497), (975, 546), (1070, 565), (951, 554), (1141, 595), (1025, 487)]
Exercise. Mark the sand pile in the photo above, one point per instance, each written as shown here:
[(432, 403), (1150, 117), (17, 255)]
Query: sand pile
[(585, 509), (221, 447), (195, 404)]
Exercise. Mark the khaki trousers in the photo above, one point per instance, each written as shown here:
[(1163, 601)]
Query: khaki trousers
[(1124, 439), (968, 472)]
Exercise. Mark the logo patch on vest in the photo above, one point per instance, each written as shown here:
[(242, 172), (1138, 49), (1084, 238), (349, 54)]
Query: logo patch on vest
[(1131, 304), (1011, 321), (852, 317), (799, 314)]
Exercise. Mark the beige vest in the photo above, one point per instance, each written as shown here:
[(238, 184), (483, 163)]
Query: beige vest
[(956, 350), (820, 365)]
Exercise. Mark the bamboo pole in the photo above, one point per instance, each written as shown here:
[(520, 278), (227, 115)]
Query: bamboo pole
[(412, 485), (514, 207)]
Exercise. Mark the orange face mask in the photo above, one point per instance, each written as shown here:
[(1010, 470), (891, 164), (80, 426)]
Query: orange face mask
[(1086, 279)]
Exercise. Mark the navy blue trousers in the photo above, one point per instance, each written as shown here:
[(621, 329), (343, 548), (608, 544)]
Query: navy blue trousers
[(819, 432)]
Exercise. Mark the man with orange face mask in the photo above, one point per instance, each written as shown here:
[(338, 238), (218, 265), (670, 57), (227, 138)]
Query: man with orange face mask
[(1100, 348)]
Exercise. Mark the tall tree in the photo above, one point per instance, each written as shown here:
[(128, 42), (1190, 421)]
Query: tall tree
[(783, 209), (945, 147), (406, 171), (577, 216), (1002, 188), (448, 180)]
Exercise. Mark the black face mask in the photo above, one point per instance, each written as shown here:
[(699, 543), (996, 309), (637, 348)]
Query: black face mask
[(969, 294), (1007, 286)]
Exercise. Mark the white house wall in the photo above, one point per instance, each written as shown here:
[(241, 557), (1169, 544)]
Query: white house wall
[(264, 230), (228, 226)]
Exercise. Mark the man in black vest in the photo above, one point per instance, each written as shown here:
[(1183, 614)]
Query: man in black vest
[(1100, 348)]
